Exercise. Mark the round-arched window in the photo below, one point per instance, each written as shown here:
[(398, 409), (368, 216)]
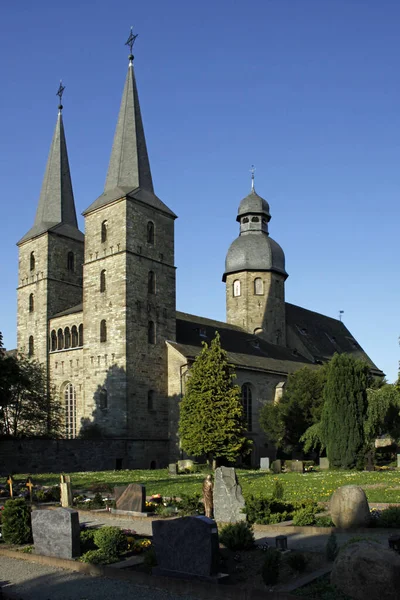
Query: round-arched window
[(247, 403)]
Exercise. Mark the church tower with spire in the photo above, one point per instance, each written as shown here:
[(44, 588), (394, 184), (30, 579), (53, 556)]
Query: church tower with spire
[(255, 274), (50, 254), (129, 287)]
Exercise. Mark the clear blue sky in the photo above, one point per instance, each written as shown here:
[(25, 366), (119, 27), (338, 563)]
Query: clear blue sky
[(307, 90)]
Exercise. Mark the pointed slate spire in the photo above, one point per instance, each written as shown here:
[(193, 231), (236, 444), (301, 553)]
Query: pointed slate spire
[(56, 208), (129, 165)]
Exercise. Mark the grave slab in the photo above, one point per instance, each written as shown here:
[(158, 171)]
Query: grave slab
[(264, 463), (56, 532)]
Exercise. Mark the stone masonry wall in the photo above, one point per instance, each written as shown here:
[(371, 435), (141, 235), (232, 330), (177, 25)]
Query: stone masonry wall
[(57, 456), (262, 314)]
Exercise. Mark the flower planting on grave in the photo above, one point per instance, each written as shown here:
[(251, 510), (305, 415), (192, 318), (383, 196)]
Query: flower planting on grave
[(110, 544)]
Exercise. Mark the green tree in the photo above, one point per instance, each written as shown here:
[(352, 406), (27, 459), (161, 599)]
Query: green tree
[(284, 422), (383, 414), (211, 414), (27, 407), (344, 410)]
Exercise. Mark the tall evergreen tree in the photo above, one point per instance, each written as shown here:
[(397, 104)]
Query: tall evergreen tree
[(344, 411), (211, 414)]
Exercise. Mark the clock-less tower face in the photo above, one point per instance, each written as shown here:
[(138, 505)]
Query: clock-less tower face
[(255, 275)]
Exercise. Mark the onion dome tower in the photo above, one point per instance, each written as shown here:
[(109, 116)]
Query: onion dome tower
[(255, 274)]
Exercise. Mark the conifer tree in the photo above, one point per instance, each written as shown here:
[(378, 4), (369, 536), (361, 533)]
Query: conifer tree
[(344, 411), (211, 414)]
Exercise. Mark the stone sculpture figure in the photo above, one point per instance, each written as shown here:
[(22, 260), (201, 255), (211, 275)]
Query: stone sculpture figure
[(208, 496)]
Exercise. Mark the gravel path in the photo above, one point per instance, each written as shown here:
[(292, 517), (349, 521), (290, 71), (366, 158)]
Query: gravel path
[(31, 581)]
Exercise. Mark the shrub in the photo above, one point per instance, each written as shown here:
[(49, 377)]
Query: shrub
[(304, 517), (267, 511), (278, 491), (331, 549), (98, 557), (270, 567), (87, 540), (297, 561), (97, 501), (150, 558), (237, 536), (190, 505), (111, 540), (324, 522), (16, 522), (390, 517)]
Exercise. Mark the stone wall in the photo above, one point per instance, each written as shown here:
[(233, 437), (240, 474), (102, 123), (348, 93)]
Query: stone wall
[(56, 456)]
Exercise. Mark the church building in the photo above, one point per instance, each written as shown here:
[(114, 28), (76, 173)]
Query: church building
[(98, 309)]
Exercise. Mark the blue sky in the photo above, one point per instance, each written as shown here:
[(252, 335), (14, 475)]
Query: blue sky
[(306, 90)]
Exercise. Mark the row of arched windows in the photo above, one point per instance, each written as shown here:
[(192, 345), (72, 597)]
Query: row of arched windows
[(70, 261), (258, 287), (63, 339), (150, 232)]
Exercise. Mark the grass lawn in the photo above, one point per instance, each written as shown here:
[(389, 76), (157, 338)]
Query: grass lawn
[(380, 486)]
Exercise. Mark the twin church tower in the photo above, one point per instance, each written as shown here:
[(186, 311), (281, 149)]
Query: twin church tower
[(98, 309)]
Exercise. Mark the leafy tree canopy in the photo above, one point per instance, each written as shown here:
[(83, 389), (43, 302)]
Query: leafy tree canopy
[(211, 414)]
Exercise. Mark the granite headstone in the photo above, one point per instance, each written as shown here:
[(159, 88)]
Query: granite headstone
[(228, 497), (56, 532), (186, 547), (277, 466), (297, 466), (324, 463), (264, 463), (130, 498), (172, 469)]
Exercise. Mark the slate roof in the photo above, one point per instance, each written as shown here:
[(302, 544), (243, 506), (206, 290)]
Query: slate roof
[(69, 311), (56, 208), (254, 251), (253, 204)]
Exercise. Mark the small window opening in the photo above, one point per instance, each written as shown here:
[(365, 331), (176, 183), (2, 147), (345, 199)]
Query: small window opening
[(258, 286), (67, 338), (151, 332), (70, 261), (80, 335), (103, 399), (31, 303), (150, 232), (32, 261), (153, 465), (247, 403), (31, 346), (103, 281), (74, 336), (53, 340), (118, 464), (60, 339), (103, 331), (245, 220), (104, 227), (236, 287), (202, 332), (150, 400), (255, 219), (151, 283)]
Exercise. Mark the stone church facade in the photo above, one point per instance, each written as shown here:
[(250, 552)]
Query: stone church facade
[(98, 309)]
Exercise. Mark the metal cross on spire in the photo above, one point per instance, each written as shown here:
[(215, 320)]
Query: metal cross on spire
[(130, 42), (252, 171), (60, 92)]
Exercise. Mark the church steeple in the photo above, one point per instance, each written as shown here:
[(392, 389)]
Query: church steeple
[(56, 208)]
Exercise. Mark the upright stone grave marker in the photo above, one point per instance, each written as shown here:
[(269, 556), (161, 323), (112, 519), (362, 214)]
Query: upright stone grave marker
[(228, 497), (324, 463), (56, 532), (65, 491), (297, 466), (172, 469), (264, 463), (186, 548), (398, 461), (130, 498), (277, 466)]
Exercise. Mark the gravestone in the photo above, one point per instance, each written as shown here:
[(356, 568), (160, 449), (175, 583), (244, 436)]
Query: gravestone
[(228, 497), (172, 469), (187, 548), (264, 463), (56, 532), (130, 498), (297, 466), (324, 463), (277, 466), (349, 507), (398, 461), (65, 491), (185, 464)]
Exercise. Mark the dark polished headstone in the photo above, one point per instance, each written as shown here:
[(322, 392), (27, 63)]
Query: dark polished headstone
[(186, 547), (56, 532), (131, 497)]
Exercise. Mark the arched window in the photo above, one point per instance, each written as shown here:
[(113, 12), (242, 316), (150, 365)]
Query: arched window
[(103, 331), (74, 337), (151, 332), (151, 283), (247, 403), (245, 220), (80, 337), (104, 227), (31, 346), (103, 399), (53, 340), (150, 400), (32, 261), (236, 287), (31, 303), (103, 281), (70, 410), (67, 338), (60, 339), (70, 261), (255, 220), (150, 232), (258, 286)]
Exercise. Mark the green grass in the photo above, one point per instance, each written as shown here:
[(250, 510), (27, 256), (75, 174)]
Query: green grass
[(385, 485), (321, 589)]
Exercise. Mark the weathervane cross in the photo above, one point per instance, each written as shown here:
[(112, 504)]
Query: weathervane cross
[(131, 39), (252, 171), (60, 92)]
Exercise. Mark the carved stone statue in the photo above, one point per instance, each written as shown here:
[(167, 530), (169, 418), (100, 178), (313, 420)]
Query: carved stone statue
[(208, 496)]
